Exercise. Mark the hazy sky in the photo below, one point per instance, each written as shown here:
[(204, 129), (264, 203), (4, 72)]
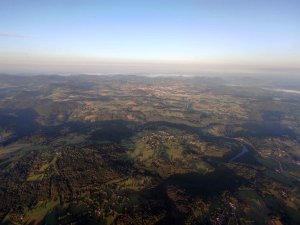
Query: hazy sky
[(150, 36)]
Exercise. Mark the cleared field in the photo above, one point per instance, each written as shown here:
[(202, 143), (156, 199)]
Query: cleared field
[(11, 149), (36, 215)]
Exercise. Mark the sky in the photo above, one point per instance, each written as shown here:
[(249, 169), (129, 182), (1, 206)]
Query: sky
[(150, 37)]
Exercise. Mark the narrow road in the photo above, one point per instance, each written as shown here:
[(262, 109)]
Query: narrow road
[(284, 171)]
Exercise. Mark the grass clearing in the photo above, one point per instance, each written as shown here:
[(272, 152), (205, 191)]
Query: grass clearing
[(37, 214), (279, 177), (243, 194), (16, 148), (35, 177), (268, 163)]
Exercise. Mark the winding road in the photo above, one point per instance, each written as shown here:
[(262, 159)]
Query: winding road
[(284, 171)]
